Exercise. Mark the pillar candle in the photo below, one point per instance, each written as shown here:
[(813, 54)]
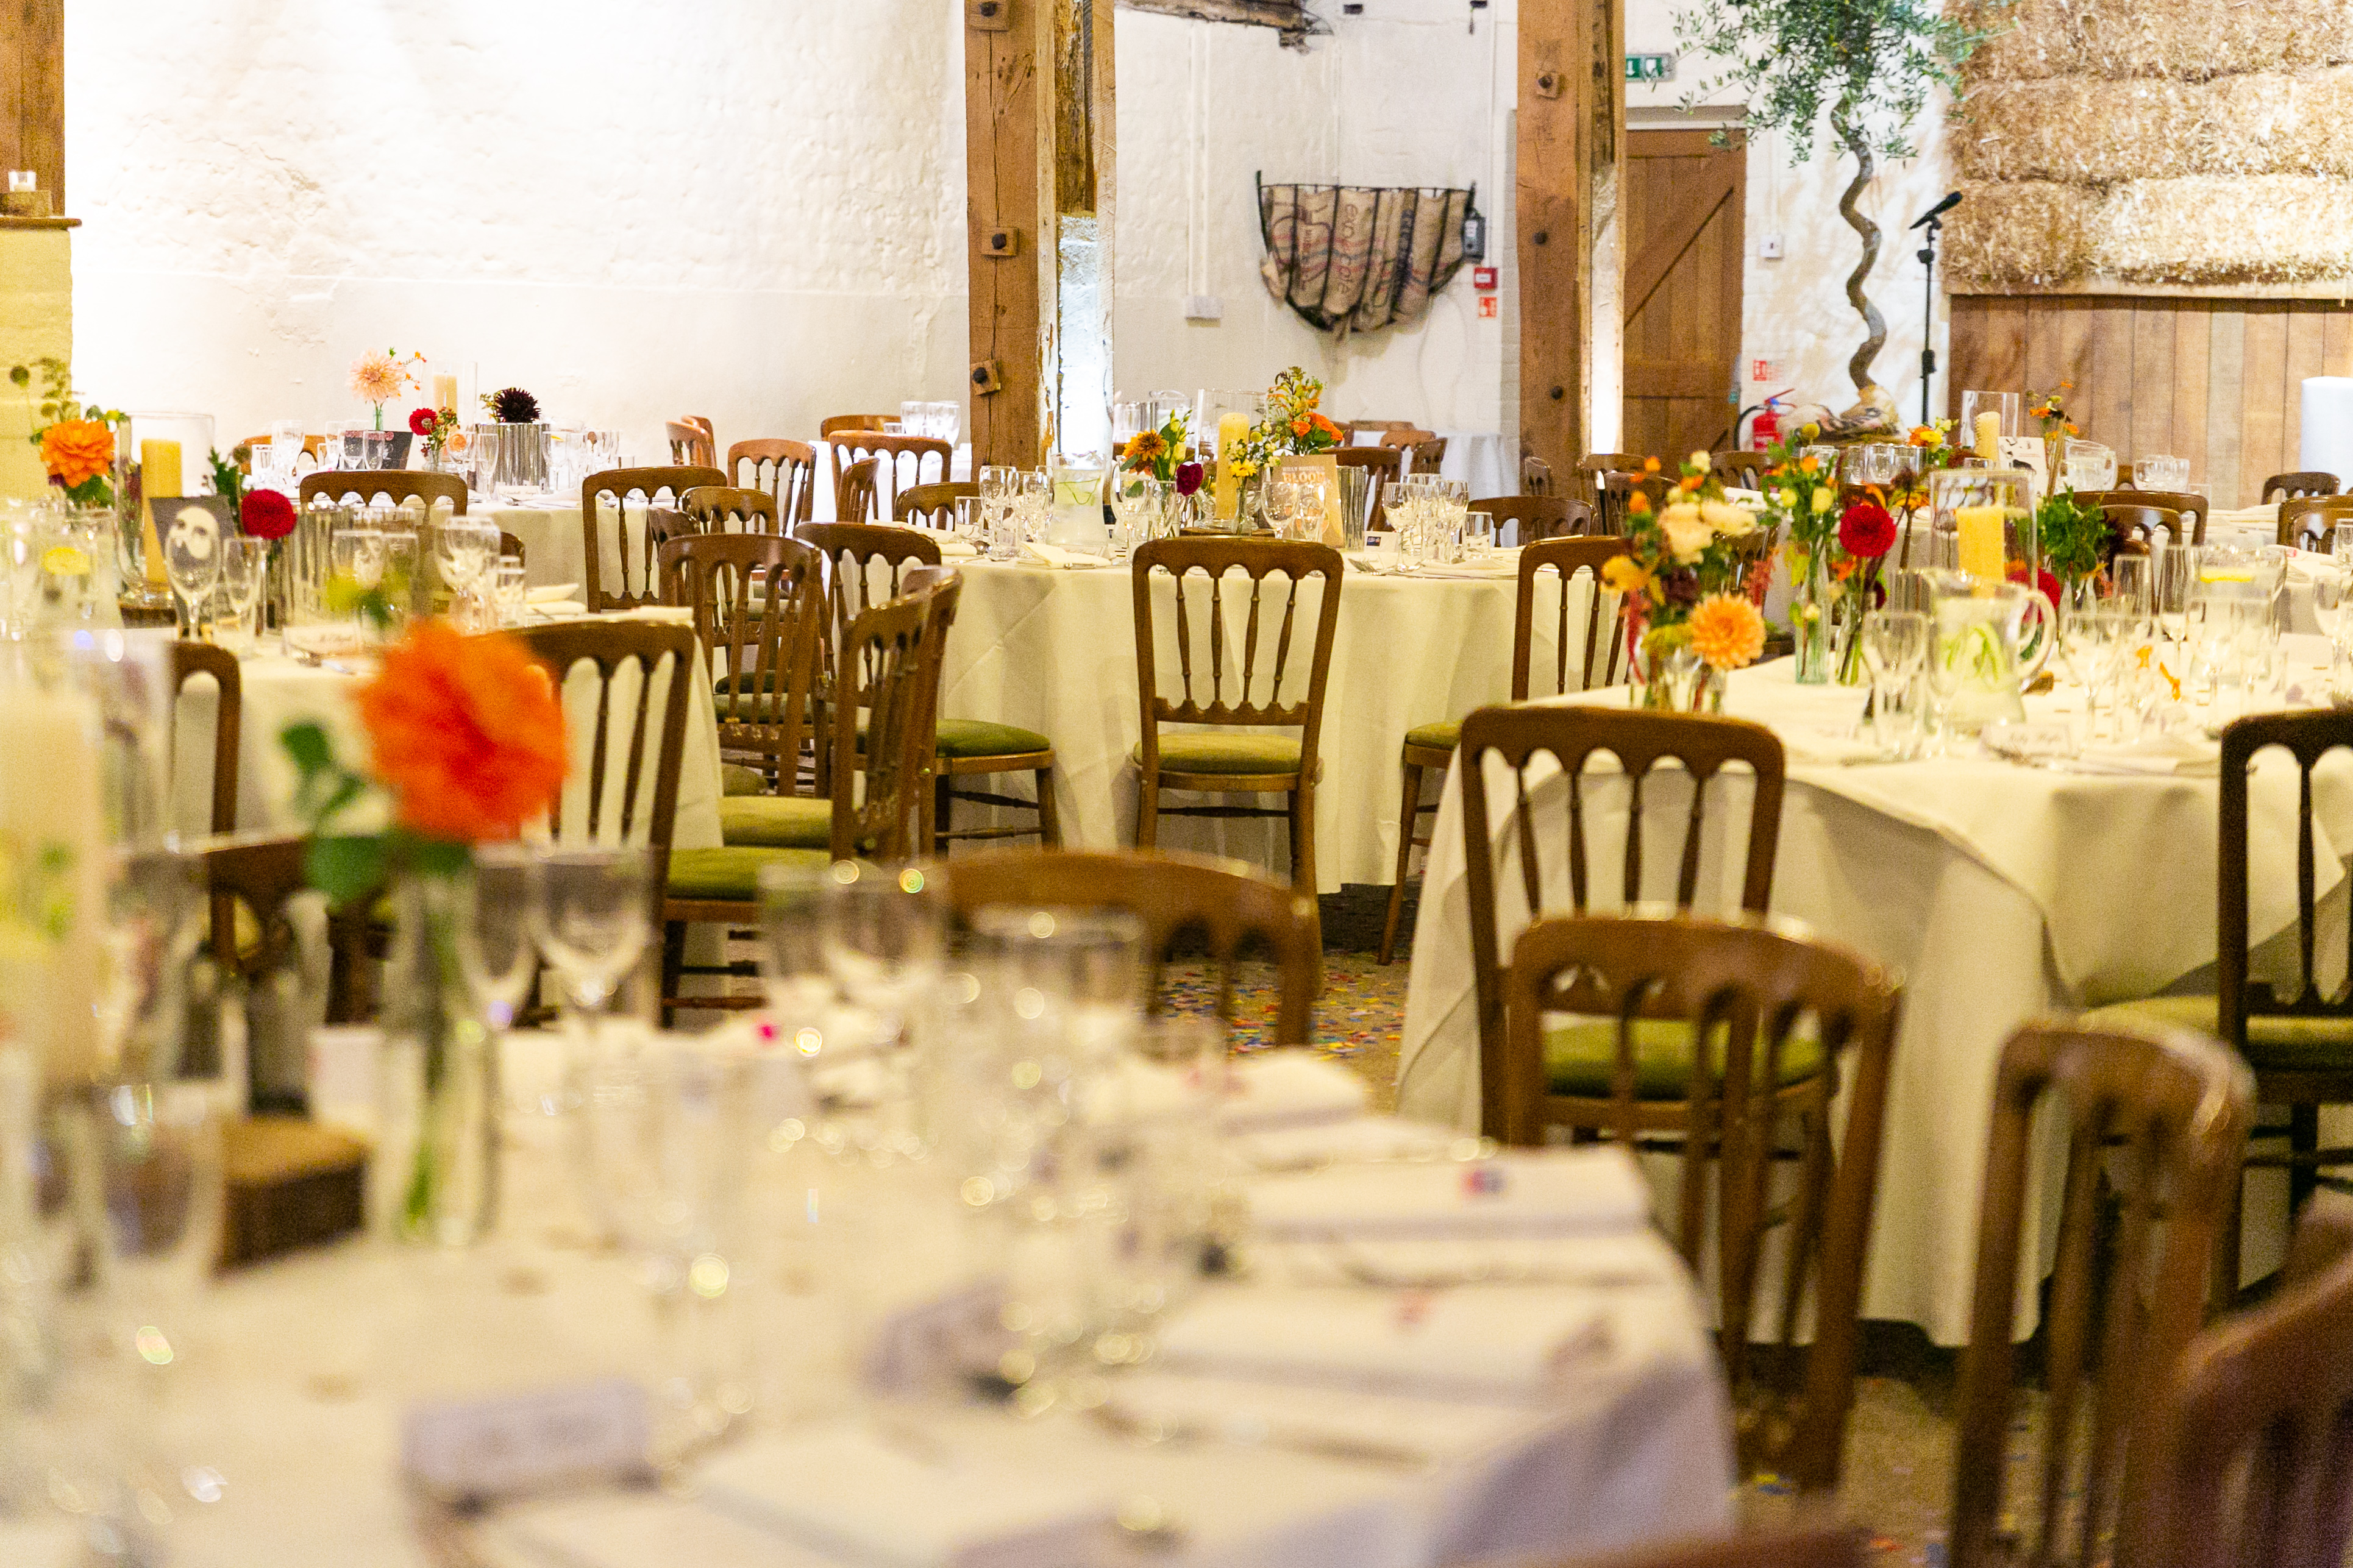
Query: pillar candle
[(1231, 427), (1980, 541), (1989, 435), (53, 851), (445, 392), (159, 479)]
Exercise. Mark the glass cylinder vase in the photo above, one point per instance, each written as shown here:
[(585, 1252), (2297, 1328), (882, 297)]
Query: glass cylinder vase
[(1675, 679), (435, 1163), (1811, 609)]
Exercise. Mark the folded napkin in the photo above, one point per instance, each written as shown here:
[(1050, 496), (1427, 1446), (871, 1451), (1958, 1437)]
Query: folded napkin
[(1054, 555), (633, 1530), (860, 1499), (1288, 1088), (557, 609), (1549, 1192), (2176, 756), (954, 547), (1357, 1139), (1482, 1342), (552, 593), (1341, 1422)]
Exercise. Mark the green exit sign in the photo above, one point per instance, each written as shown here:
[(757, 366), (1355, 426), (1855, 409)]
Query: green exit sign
[(1650, 67)]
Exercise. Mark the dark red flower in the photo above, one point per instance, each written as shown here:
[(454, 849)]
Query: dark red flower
[(266, 514), (1188, 477), (2042, 580), (420, 422), (1865, 530)]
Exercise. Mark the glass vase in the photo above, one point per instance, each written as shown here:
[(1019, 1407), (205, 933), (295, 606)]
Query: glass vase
[(1675, 681), (1811, 614), (436, 1162), (1846, 634)]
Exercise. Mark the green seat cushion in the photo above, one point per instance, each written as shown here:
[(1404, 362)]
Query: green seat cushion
[(2283, 1045), (1581, 1057), (735, 778), (1445, 735), (1226, 751), (776, 821), (979, 738), (732, 873)]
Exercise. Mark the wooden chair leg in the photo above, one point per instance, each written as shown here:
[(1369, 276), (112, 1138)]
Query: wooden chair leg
[(1049, 825), (943, 808), (1147, 811), (673, 965), (1409, 813), (2303, 1141), (2224, 1295), (1302, 863)]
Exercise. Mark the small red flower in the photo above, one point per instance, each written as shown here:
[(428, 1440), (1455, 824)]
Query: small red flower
[(2042, 580), (420, 422), (1865, 530), (266, 514), (1188, 477)]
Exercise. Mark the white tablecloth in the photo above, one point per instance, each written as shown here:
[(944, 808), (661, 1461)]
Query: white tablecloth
[(1483, 459), (2327, 438), (1998, 893), (1054, 651)]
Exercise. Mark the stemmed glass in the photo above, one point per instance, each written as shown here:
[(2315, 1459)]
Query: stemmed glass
[(1894, 648), (1281, 499), (192, 557), (504, 903), (2130, 582), (883, 933), (468, 552), (244, 567), (592, 922)]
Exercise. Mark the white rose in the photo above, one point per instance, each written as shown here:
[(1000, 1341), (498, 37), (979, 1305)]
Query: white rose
[(1687, 531), (1726, 518)]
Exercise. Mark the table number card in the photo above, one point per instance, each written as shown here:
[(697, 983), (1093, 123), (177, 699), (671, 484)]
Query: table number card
[(480, 1448)]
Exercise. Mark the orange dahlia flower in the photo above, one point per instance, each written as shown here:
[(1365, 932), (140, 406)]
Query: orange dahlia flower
[(466, 732), (76, 450), (1726, 631)]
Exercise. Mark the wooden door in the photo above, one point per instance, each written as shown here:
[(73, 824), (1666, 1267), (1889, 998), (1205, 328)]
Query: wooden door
[(1682, 203)]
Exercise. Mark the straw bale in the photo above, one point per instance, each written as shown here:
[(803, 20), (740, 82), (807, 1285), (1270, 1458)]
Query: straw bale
[(2026, 231), (2031, 39), (2261, 228), (2193, 39), (2269, 123), (2077, 130)]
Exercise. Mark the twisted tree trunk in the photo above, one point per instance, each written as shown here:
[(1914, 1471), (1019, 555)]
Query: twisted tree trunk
[(1858, 367)]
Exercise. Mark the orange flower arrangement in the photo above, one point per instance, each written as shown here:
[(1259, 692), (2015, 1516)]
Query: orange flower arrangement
[(1726, 630), (466, 732), (75, 451)]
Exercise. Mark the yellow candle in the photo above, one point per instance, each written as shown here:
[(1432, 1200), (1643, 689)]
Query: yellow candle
[(445, 392), (1989, 435), (53, 851), (1231, 427), (1980, 541), (159, 479)]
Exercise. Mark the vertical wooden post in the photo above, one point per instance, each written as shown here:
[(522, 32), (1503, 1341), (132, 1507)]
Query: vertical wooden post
[(1572, 117), (33, 92), (1008, 77)]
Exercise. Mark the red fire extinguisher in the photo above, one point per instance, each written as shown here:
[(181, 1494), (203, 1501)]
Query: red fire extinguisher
[(1766, 428)]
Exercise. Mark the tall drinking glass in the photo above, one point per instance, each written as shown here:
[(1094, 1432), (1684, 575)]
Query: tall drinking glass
[(592, 925), (245, 568), (883, 935), (505, 917), (1895, 648)]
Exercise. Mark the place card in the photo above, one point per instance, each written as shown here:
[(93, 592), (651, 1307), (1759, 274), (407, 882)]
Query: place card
[(482, 1448)]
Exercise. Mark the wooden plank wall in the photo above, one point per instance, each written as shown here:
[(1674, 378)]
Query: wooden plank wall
[(2219, 381), (33, 92)]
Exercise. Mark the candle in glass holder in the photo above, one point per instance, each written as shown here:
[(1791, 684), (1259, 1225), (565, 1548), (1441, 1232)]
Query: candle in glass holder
[(1979, 542), (1231, 427), (445, 392), (1989, 435), (159, 479)]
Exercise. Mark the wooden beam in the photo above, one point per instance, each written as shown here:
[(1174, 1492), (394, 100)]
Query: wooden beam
[(1291, 16), (1009, 215), (1572, 118), (33, 93)]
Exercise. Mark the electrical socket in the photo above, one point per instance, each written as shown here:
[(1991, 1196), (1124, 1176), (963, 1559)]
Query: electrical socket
[(1768, 247)]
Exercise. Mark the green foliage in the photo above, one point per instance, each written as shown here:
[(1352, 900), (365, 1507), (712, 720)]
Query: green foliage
[(1870, 63), (350, 865), (2072, 534), (228, 479)]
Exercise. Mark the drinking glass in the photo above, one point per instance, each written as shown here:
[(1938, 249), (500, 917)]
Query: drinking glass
[(1281, 500), (2171, 577), (2130, 581), (503, 905), (997, 481), (883, 933), (1477, 535), (1005, 530), (2341, 544), (2088, 466), (467, 552), (792, 965), (592, 923), (514, 589), (2162, 473), (968, 510), (245, 568), (192, 557), (1894, 648)]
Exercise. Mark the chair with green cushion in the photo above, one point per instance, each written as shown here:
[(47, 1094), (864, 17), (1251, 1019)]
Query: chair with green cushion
[(1431, 746), (2300, 1045), (867, 562), (1236, 615), (1767, 997), (1552, 875)]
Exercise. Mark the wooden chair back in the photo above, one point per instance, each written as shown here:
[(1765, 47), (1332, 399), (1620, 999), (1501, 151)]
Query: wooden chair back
[(604, 509), (1406, 436), (727, 508), (1197, 899), (1744, 470), (1426, 457), (394, 485), (1702, 749), (1617, 492), (838, 423), (190, 659), (2155, 1125), (691, 443), (634, 739), (2306, 482), (2193, 507), (888, 659), (931, 506), (760, 615), (1536, 475), (1539, 517), (1235, 686), (2307, 736), (853, 447), (2133, 527), (2313, 518), (265, 874), (1376, 427), (866, 565), (1565, 558), (2250, 1448), (1745, 987), (1386, 463), (789, 477), (856, 498), (1809, 1547), (1594, 467)]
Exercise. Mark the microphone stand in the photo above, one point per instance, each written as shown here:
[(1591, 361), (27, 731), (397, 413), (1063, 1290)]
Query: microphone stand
[(1928, 317)]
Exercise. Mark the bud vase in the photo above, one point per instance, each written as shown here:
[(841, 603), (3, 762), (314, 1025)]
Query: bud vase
[(1675, 681), (435, 1165), (1812, 612)]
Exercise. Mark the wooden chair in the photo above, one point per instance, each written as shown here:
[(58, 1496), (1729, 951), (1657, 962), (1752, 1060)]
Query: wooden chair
[(1819, 1548), (854, 447), (2299, 1044), (190, 659), (855, 498), (2133, 528), (691, 442), (1582, 1055), (1616, 498), (841, 423), (260, 877), (791, 475), (2314, 518), (1425, 456), (2126, 1290), (1378, 428), (1430, 747), (2194, 508), (2296, 486), (2264, 1401), (394, 485), (1221, 904), (1785, 1018), (1386, 463), (511, 545), (931, 506), (887, 696), (725, 509), (1742, 470), (759, 608), (1538, 516), (636, 737), (1536, 475), (1235, 763), (1393, 434), (639, 585)]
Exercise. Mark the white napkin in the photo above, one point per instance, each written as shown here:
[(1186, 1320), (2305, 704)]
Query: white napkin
[(1358, 1139), (1290, 1088), (1482, 1342), (557, 609), (2174, 756), (552, 593), (1054, 555), (1823, 747), (955, 547), (1339, 1422), (1548, 1191), (858, 1497)]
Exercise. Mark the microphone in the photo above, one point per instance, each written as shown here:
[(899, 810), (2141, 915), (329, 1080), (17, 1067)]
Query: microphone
[(1940, 210)]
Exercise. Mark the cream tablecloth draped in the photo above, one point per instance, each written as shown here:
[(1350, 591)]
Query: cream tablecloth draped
[(1998, 893), (1054, 651)]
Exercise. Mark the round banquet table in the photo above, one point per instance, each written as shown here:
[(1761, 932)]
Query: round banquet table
[(1997, 892), (1054, 650)]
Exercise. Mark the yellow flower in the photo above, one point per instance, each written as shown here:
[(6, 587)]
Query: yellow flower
[(1688, 533), (1825, 498), (1623, 575), (1728, 518), (1787, 500), (1726, 631), (1700, 460)]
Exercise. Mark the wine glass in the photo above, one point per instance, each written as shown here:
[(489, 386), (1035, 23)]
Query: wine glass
[(1281, 499), (2340, 545), (504, 910), (882, 933), (513, 590), (792, 956), (2131, 580), (192, 558), (593, 921), (245, 567), (467, 552), (1894, 648)]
